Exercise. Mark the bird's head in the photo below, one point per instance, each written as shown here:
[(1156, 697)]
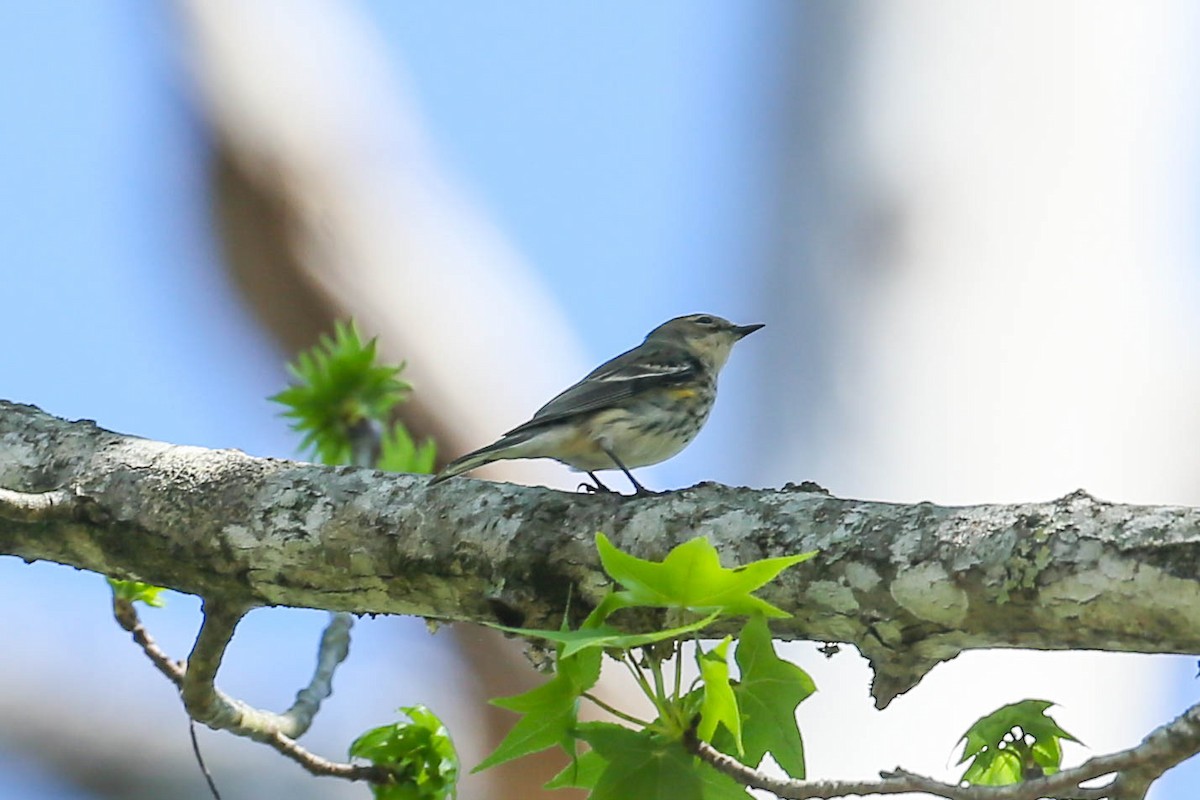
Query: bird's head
[(707, 336)]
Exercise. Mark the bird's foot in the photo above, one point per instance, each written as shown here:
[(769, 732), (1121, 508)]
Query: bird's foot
[(599, 487)]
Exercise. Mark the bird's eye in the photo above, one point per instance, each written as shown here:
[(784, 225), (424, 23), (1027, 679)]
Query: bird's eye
[(704, 320)]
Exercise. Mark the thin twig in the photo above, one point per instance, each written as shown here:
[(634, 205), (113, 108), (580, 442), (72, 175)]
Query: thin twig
[(208, 778), (319, 766), (898, 782), (127, 618), (230, 709)]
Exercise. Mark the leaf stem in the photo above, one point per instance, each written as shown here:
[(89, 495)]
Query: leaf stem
[(636, 671), (656, 671), (616, 712), (678, 669)]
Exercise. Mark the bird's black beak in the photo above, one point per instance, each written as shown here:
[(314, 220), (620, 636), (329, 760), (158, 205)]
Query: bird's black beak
[(745, 330)]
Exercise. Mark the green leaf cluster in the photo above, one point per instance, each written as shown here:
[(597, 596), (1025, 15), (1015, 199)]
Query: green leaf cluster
[(1016, 742), (746, 717), (137, 592), (418, 751), (338, 389)]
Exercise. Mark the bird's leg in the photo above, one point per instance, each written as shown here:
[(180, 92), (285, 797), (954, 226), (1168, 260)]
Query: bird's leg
[(599, 488), (639, 490)]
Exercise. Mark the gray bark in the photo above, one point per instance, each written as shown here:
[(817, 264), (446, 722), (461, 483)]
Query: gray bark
[(908, 585)]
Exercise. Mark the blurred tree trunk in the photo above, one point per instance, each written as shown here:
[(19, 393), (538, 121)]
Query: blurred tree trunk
[(983, 241)]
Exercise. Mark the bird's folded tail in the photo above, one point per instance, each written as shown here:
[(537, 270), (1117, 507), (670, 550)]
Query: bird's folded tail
[(485, 455)]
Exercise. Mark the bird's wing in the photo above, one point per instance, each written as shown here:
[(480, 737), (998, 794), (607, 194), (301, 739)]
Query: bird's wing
[(626, 375)]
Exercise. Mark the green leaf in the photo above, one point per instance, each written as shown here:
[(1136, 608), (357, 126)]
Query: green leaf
[(994, 767), (768, 692), (399, 453), (338, 385), (581, 773), (581, 669), (549, 718), (1011, 741), (718, 786), (419, 750), (649, 766), (691, 576), (549, 710), (719, 706), (606, 636), (1047, 754), (640, 764), (613, 601), (137, 592)]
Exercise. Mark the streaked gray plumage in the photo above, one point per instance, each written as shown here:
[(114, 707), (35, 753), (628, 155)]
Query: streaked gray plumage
[(637, 409)]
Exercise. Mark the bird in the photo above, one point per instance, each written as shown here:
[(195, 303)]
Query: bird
[(639, 408)]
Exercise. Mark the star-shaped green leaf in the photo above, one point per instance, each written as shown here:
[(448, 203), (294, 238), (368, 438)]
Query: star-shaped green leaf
[(691, 577), (581, 773), (549, 710), (649, 766), (768, 692), (1011, 741)]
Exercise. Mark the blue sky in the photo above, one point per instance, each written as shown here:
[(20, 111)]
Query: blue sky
[(625, 155)]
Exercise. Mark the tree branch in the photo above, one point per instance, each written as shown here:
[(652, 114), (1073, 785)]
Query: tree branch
[(909, 585), (1135, 769), (196, 678), (219, 711), (127, 618), (203, 701), (37, 506), (335, 646)]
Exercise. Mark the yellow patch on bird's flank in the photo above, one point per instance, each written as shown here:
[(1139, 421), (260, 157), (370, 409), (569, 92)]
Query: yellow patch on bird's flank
[(579, 444), (683, 393)]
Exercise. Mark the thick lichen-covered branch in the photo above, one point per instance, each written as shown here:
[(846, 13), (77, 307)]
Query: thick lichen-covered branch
[(909, 585)]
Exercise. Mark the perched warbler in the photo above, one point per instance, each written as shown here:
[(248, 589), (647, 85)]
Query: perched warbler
[(640, 408)]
